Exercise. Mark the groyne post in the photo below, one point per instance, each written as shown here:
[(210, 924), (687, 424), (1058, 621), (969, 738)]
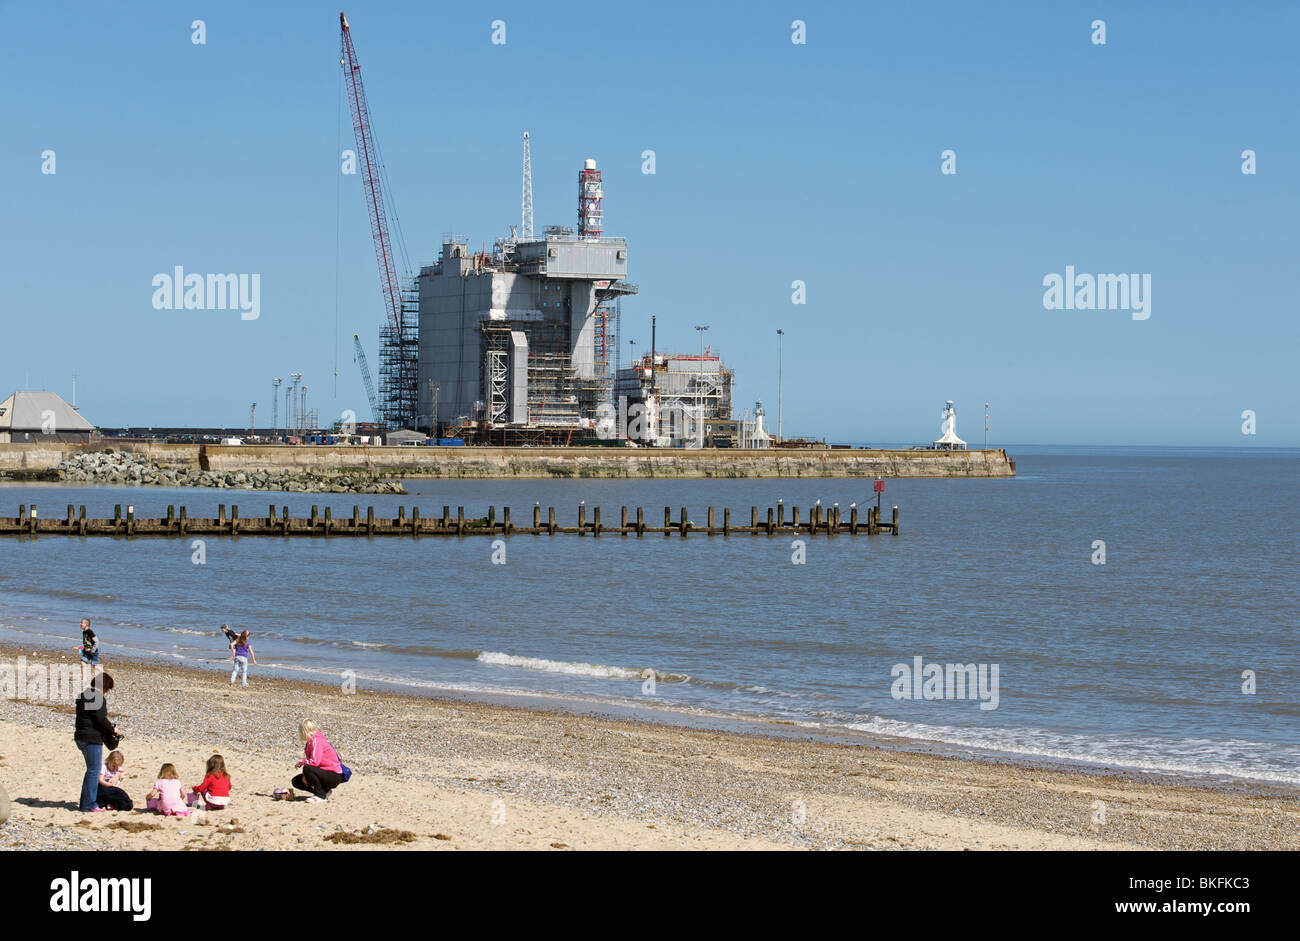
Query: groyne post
[(640, 522), (506, 528), (550, 520), (582, 518), (894, 529)]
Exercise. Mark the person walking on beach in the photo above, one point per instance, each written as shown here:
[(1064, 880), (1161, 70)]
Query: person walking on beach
[(241, 650), (93, 732), (89, 650), (321, 769)]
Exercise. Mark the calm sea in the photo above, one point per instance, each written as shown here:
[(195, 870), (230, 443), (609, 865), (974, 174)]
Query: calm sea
[(1136, 663)]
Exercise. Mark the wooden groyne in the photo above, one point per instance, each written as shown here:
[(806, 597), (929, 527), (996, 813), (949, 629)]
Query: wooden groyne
[(817, 520)]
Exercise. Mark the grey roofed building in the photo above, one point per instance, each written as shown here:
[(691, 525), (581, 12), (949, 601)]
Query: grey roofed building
[(405, 436), (29, 416)]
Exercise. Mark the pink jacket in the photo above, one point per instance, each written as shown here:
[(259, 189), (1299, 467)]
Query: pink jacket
[(321, 753)]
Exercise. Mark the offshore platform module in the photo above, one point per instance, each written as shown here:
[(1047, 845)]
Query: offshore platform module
[(522, 340), (526, 336)]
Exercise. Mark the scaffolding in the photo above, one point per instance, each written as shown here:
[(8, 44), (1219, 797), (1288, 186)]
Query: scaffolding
[(398, 364), (683, 392)]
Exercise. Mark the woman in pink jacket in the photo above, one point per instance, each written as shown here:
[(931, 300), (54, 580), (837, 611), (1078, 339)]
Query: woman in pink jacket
[(321, 769)]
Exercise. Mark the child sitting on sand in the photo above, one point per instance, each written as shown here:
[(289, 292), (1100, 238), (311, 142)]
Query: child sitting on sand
[(111, 774), (168, 794), (215, 789)]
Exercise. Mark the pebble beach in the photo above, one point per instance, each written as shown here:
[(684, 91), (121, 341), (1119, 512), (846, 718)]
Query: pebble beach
[(434, 774)]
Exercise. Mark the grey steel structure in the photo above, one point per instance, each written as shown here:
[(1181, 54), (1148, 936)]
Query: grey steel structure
[(677, 397), (523, 335)]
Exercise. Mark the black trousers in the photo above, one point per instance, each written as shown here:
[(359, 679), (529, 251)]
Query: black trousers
[(317, 780), (114, 798)]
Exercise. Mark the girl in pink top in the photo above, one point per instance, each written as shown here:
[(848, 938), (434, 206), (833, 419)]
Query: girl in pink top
[(168, 794)]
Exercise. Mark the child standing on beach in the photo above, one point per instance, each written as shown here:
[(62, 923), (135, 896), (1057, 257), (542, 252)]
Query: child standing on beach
[(168, 794), (89, 650), (111, 775), (242, 651), (215, 789)]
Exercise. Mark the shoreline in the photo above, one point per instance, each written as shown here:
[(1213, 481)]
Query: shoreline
[(680, 716), (506, 777)]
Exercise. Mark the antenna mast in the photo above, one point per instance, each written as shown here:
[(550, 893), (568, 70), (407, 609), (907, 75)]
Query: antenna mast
[(526, 216)]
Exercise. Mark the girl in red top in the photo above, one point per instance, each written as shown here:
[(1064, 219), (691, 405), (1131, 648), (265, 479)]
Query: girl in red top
[(215, 788)]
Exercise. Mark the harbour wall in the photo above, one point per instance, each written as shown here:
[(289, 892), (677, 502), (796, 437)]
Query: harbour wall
[(508, 463)]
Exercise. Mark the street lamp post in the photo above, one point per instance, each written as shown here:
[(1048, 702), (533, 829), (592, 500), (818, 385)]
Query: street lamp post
[(780, 369)]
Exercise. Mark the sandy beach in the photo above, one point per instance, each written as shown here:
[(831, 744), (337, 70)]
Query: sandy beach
[(435, 774)]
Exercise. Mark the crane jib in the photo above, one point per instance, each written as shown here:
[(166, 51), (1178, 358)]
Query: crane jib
[(388, 279)]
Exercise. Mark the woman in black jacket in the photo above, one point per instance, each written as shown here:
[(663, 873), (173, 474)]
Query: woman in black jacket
[(94, 731)]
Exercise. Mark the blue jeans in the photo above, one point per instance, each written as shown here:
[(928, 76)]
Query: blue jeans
[(240, 662), (90, 783)]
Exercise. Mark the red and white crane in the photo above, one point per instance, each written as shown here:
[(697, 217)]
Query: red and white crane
[(371, 171)]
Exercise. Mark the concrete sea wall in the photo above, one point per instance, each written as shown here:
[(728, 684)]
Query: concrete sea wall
[(508, 463)]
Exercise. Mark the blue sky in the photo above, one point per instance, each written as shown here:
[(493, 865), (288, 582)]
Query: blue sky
[(775, 162)]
